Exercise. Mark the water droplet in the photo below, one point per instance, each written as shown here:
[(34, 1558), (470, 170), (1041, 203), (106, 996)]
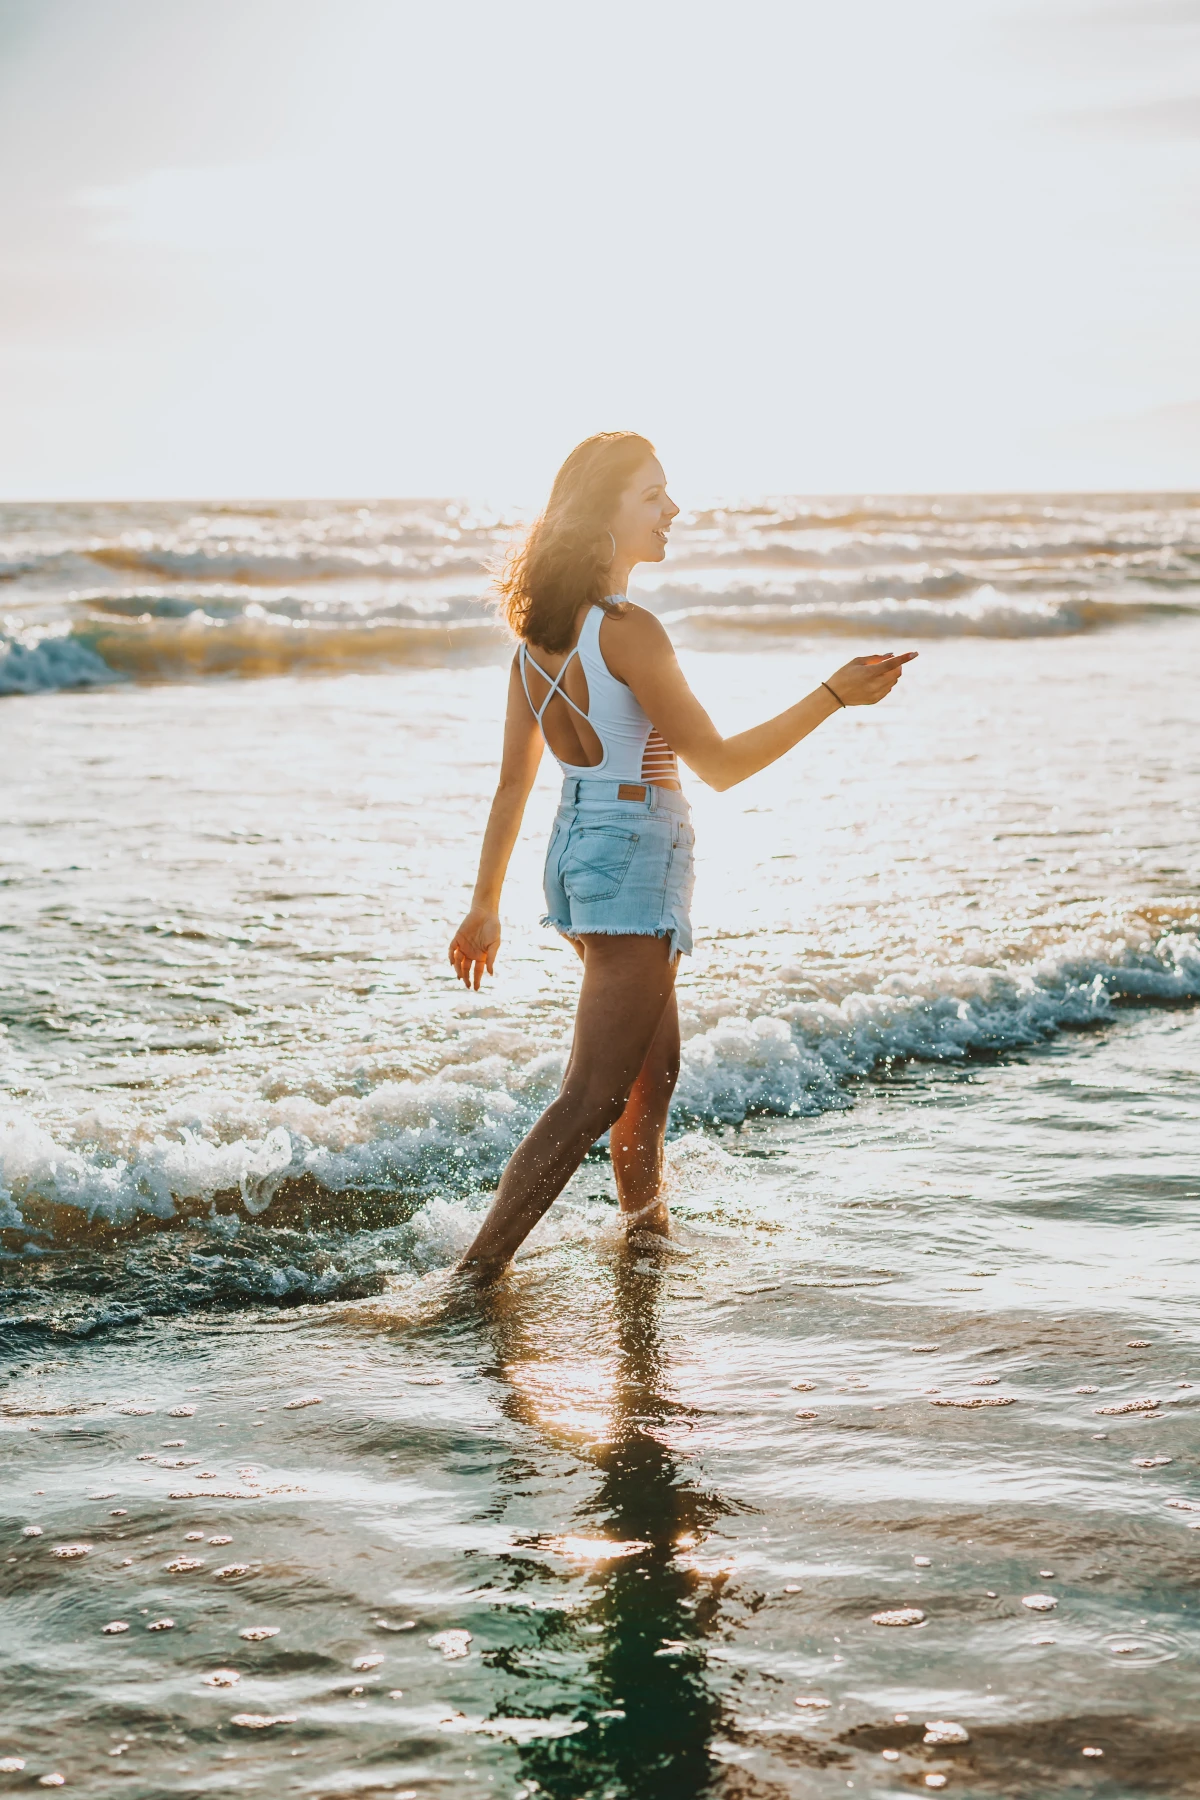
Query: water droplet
[(936, 1781), (397, 1694), (814, 1701), (944, 1731), (222, 1678), (1046, 1574), (54, 1780), (11, 1765), (1039, 1602), (793, 1587), (390, 1625), (891, 1755), (900, 1718), (31, 1531), (115, 1628), (1091, 1750), (305, 1400), (255, 1634), (900, 1615), (161, 1625), (451, 1643), (70, 1552)]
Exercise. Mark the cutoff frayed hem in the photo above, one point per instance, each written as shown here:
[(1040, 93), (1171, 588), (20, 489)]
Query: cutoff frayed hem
[(675, 948)]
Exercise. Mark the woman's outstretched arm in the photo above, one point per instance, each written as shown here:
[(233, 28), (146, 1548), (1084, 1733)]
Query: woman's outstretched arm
[(639, 652), (477, 940)]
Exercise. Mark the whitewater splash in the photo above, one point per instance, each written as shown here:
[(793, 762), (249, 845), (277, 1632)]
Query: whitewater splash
[(166, 592), (451, 1135)]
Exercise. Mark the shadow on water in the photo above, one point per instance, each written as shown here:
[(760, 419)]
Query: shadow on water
[(631, 1660)]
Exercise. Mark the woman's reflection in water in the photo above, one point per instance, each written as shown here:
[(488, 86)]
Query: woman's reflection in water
[(631, 1660)]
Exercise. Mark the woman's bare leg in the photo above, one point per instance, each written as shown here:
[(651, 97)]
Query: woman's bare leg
[(627, 982), (636, 1140)]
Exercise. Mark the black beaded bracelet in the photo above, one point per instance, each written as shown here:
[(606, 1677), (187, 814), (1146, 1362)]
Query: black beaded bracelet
[(837, 697)]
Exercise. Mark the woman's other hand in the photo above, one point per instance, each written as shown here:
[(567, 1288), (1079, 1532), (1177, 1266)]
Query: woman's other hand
[(475, 946), (867, 679)]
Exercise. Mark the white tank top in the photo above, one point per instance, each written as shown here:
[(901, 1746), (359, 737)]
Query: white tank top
[(633, 750)]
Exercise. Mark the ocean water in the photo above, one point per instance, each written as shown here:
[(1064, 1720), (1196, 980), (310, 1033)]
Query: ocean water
[(925, 1336)]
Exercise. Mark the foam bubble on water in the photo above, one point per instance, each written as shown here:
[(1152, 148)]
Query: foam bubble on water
[(452, 1644), (181, 1412), (183, 1565), (986, 1381), (1091, 1750), (257, 1634), (262, 1721), (1137, 1343), (1144, 1404), (804, 1387), (305, 1400), (366, 1662), (890, 1755), (161, 1625), (70, 1552), (220, 1540), (231, 1571), (808, 1415), (899, 1615), (1151, 1462), (222, 1678), (945, 1731), (11, 1765), (1086, 1389), (31, 1531), (813, 1702), (114, 1628), (935, 1781), (54, 1780), (193, 1537), (1039, 1602), (922, 1562)]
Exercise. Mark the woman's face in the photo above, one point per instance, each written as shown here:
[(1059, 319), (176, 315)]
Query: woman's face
[(643, 516)]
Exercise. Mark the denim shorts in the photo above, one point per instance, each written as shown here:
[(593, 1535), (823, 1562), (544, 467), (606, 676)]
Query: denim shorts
[(621, 868)]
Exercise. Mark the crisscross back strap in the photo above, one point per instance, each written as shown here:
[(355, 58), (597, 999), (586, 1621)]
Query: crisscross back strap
[(555, 682)]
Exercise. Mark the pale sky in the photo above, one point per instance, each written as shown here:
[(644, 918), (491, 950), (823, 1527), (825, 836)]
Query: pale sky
[(374, 247)]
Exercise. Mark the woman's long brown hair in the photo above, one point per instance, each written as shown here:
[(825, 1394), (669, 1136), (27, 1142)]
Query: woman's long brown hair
[(563, 562)]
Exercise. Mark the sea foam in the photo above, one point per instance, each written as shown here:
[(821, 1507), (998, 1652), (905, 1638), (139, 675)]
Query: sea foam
[(449, 1136)]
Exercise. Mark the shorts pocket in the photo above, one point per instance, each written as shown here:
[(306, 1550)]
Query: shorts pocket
[(596, 861)]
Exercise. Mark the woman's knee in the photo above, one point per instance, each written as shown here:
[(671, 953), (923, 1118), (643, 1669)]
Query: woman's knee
[(592, 1111)]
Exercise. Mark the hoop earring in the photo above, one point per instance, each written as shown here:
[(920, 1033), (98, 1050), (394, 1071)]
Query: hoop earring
[(612, 559)]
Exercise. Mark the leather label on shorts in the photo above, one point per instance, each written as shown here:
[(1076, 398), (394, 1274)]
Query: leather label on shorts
[(629, 790)]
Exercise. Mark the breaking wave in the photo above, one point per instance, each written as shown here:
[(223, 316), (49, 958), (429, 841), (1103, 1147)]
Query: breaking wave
[(410, 1142)]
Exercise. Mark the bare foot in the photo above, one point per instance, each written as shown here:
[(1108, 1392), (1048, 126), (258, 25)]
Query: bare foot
[(654, 1218)]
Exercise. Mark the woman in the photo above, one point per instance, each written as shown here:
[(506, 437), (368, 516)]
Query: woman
[(596, 679)]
